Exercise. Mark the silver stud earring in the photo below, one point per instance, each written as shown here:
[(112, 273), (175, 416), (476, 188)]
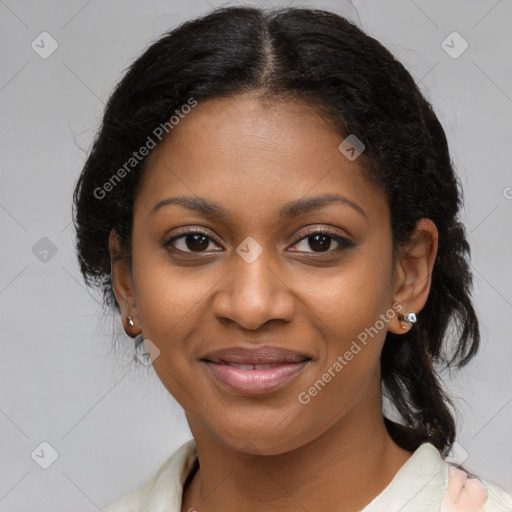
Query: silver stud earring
[(410, 318), (130, 321)]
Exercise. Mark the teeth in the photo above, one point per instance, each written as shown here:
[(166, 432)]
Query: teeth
[(253, 366)]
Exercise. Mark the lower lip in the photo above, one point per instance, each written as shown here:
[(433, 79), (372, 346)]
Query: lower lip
[(253, 382)]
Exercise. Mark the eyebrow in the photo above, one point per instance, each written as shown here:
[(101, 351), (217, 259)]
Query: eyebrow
[(288, 211)]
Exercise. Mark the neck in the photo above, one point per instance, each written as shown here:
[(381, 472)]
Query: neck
[(343, 469)]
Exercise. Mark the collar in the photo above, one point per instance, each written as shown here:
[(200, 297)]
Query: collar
[(165, 493), (417, 486)]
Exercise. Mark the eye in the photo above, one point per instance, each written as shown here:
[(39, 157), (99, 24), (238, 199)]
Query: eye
[(190, 241), (320, 240)]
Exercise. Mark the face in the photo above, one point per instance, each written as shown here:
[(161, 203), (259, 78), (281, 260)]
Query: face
[(295, 254)]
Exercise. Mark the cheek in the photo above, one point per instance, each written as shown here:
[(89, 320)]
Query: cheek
[(167, 307), (169, 297), (351, 298), (352, 309)]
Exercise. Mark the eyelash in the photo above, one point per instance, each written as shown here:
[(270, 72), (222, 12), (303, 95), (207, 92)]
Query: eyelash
[(344, 243)]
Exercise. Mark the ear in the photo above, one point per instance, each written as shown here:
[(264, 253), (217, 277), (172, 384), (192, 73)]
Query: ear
[(122, 285), (413, 273)]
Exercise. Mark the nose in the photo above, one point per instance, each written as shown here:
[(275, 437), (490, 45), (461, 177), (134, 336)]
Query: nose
[(252, 294)]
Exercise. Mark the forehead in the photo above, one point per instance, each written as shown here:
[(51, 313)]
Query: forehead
[(253, 157)]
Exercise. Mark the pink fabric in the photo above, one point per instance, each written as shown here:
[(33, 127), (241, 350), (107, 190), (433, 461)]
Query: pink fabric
[(463, 494)]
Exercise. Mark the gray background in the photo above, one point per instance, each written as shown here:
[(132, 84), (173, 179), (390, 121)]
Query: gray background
[(110, 421)]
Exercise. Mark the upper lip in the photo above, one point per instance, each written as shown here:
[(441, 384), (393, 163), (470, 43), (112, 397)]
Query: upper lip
[(261, 355)]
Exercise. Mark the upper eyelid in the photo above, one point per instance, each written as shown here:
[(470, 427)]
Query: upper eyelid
[(191, 231)]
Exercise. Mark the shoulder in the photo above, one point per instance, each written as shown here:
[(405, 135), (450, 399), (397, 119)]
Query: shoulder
[(428, 482), (164, 488)]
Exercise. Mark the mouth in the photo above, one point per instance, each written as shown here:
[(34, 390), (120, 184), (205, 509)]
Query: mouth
[(255, 371)]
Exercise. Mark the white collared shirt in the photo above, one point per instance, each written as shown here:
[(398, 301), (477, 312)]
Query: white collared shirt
[(425, 483)]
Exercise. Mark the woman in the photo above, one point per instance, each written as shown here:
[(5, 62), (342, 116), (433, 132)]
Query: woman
[(271, 207)]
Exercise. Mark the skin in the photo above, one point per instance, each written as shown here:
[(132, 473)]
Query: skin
[(271, 452)]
